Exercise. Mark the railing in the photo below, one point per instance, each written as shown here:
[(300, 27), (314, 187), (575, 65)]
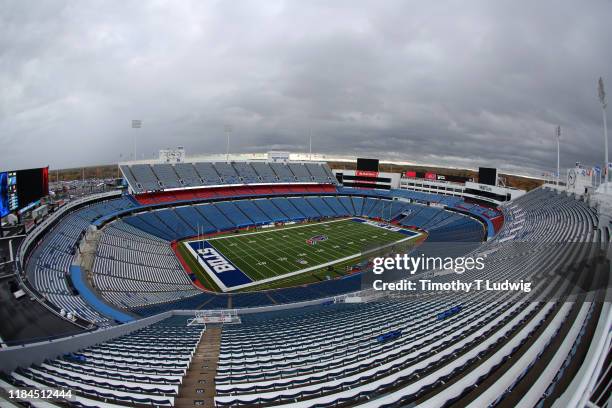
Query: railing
[(35, 353), (25, 244), (32, 238), (600, 397)]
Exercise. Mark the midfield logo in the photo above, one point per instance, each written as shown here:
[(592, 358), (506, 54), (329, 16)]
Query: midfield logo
[(315, 239)]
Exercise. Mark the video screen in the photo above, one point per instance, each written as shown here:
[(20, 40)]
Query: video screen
[(32, 185), (4, 205), (12, 197), (367, 164), (20, 188), (487, 175)]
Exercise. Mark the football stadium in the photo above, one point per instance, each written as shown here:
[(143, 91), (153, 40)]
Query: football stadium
[(259, 277), (242, 283)]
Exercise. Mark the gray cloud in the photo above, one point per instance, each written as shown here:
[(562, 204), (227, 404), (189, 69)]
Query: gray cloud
[(482, 83)]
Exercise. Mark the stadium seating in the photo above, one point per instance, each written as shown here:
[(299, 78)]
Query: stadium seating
[(188, 175), (129, 177), (176, 223), (283, 172), (144, 367), (126, 272), (49, 264), (145, 177), (301, 172), (227, 173), (273, 212), (332, 355), (319, 172), (157, 177), (246, 172), (393, 351), (285, 206), (358, 205), (304, 208), (442, 226), (347, 203), (138, 271), (215, 217), (181, 222), (265, 172), (336, 206), (254, 213), (196, 219), (238, 218), (321, 207), (203, 193), (166, 174), (208, 173)]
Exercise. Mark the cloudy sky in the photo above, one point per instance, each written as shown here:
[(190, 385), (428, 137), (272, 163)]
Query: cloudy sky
[(453, 83)]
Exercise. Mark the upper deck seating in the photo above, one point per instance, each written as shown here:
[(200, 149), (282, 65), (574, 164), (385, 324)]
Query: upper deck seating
[(301, 172), (208, 173), (318, 173), (145, 176), (283, 172), (227, 173), (166, 174), (246, 172), (188, 175), (265, 172)]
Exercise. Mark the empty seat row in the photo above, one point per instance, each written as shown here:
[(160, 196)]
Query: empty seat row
[(156, 177)]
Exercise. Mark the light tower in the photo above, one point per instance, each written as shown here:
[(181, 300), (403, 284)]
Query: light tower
[(136, 124), (228, 130), (558, 135), (604, 104), (310, 149)]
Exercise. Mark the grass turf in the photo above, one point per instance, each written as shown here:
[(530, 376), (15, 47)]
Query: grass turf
[(279, 251)]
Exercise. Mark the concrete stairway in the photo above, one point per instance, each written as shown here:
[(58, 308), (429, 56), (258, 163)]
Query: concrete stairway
[(198, 387)]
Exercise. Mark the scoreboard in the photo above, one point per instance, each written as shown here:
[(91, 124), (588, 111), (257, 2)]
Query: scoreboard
[(367, 176), (428, 175), (487, 175), (4, 206), (21, 188), (369, 165)]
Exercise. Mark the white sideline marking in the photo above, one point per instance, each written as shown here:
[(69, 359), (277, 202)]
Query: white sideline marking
[(270, 230)]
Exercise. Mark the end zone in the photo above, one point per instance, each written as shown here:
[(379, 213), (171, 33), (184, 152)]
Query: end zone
[(225, 274)]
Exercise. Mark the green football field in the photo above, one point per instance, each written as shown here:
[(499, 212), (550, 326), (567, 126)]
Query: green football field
[(296, 254)]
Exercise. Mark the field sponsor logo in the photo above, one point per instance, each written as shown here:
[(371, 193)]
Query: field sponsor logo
[(366, 173), (315, 239)]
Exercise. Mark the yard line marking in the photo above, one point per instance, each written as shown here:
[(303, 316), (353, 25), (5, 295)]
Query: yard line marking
[(268, 259)]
